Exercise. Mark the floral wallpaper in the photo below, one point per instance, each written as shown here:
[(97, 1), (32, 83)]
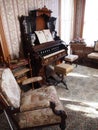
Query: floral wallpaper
[(10, 10)]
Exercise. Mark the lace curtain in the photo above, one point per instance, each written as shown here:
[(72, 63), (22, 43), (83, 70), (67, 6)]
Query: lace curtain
[(11, 9)]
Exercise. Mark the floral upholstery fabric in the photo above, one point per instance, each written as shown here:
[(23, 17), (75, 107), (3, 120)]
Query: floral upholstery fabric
[(38, 117), (10, 88), (37, 104), (34, 105), (39, 98)]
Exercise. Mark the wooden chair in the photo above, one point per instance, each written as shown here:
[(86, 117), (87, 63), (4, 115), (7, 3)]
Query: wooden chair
[(78, 49), (34, 108)]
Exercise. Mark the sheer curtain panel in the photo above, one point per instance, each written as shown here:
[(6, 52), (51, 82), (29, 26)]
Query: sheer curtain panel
[(67, 20), (90, 31)]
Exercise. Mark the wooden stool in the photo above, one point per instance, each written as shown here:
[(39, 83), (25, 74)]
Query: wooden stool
[(71, 58), (63, 69)]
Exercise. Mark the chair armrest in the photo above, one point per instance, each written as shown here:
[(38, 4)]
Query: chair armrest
[(31, 80), (60, 113)]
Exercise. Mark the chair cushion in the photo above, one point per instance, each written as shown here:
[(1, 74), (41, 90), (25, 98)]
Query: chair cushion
[(39, 114), (93, 55), (37, 117), (71, 57), (39, 98), (10, 88), (63, 68)]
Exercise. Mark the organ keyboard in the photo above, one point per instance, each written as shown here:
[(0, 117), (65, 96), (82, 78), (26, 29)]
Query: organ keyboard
[(48, 53), (48, 59), (55, 53)]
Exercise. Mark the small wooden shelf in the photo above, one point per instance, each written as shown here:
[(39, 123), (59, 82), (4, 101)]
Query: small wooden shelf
[(21, 69)]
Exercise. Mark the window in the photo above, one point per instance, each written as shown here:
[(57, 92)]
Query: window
[(67, 13), (90, 30)]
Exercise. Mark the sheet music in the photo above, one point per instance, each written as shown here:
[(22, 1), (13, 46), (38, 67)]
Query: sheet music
[(41, 36), (48, 35), (44, 36)]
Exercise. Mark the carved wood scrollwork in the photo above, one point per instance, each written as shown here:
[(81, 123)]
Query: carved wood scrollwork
[(60, 113)]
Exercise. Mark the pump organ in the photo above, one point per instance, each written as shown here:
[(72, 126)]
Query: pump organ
[(45, 53)]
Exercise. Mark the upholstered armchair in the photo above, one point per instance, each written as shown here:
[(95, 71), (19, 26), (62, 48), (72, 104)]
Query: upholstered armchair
[(34, 108)]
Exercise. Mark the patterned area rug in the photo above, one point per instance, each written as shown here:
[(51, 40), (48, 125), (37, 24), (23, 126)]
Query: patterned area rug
[(80, 101)]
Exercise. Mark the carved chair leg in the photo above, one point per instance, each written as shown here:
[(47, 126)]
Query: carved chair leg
[(64, 82), (63, 120), (60, 113)]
